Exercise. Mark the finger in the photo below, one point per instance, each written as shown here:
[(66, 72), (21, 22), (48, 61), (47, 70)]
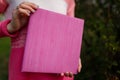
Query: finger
[(71, 74), (15, 19), (27, 7), (34, 6), (79, 69), (79, 66), (62, 74), (23, 11), (67, 74)]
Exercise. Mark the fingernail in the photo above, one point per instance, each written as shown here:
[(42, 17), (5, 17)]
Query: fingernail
[(71, 73), (33, 11), (62, 74), (28, 14)]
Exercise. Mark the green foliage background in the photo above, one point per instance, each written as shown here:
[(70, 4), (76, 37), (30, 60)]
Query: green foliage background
[(101, 43)]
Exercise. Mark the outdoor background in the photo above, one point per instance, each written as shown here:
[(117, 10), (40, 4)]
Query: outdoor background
[(100, 53)]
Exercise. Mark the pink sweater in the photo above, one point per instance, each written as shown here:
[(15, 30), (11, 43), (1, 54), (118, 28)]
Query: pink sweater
[(17, 49)]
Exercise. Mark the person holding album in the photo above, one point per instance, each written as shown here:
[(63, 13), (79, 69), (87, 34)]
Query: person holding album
[(17, 13)]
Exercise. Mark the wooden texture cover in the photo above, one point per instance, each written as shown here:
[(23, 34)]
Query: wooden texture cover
[(53, 43)]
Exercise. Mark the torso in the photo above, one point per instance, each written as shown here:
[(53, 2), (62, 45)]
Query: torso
[(59, 6)]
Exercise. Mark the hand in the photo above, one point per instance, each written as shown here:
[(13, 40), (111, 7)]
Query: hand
[(20, 16), (70, 74)]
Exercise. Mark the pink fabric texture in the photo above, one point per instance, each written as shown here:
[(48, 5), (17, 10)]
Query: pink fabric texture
[(17, 49)]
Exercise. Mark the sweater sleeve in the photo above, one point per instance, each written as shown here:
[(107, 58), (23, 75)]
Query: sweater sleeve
[(3, 29), (71, 8), (3, 5)]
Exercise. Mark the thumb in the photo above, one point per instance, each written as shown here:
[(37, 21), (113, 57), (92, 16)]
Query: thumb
[(80, 65)]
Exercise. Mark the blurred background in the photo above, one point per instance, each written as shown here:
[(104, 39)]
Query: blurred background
[(100, 53)]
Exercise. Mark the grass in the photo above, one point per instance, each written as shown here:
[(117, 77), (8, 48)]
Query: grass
[(4, 57)]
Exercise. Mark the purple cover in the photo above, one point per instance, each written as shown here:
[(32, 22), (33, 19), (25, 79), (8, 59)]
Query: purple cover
[(53, 43)]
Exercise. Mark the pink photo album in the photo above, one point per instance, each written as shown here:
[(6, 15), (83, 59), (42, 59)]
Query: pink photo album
[(53, 43)]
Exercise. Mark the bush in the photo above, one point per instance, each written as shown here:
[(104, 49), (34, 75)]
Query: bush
[(101, 43)]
